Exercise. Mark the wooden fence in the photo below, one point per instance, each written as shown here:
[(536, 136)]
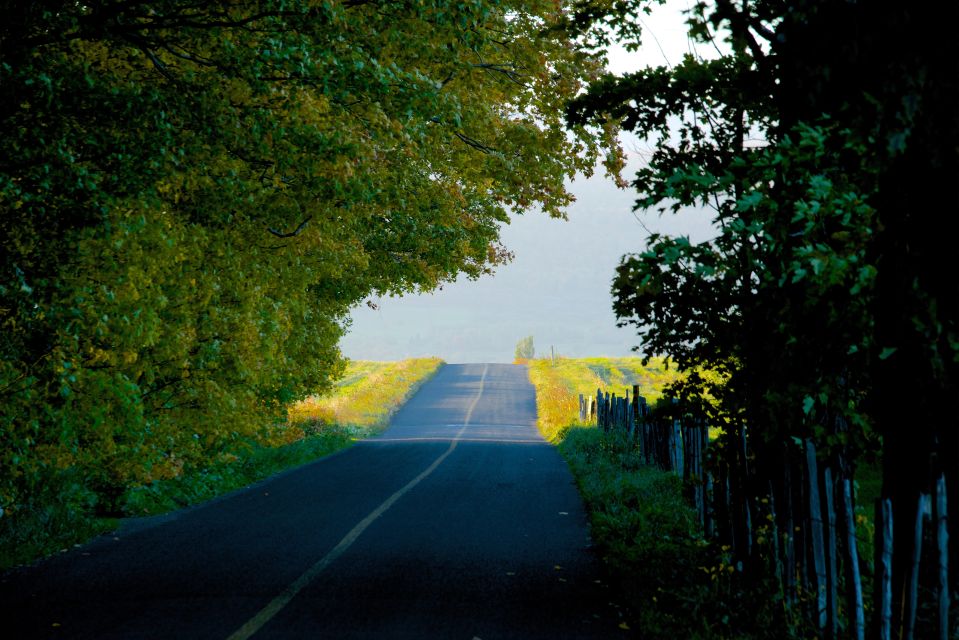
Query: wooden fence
[(787, 512)]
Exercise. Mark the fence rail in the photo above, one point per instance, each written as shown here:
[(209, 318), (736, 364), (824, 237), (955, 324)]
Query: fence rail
[(795, 519)]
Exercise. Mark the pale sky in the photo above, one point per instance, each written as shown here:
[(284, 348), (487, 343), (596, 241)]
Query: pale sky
[(557, 288)]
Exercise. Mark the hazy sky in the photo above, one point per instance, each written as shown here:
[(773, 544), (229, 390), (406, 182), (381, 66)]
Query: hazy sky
[(557, 288)]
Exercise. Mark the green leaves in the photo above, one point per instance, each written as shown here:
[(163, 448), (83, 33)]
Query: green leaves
[(781, 298), (193, 198)]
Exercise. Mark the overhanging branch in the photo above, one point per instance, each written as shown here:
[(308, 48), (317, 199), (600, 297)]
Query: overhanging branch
[(291, 234)]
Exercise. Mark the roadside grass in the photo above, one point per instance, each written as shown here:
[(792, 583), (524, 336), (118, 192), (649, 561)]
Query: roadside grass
[(558, 385), (360, 405), (672, 582), (366, 398)]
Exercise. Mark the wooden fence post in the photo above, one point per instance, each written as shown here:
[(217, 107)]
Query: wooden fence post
[(942, 541), (815, 516), (709, 498), (857, 616), (645, 428), (912, 577), (884, 535), (831, 549), (607, 411), (676, 443), (599, 407), (789, 528)]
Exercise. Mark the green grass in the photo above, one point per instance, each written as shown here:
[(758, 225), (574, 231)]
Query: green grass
[(367, 396), (671, 582), (558, 385), (361, 404)]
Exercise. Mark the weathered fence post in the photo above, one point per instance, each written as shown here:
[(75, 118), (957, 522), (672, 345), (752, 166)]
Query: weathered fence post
[(854, 582), (884, 535), (833, 595), (789, 528), (815, 516), (912, 578), (644, 430), (599, 407), (676, 443), (942, 541)]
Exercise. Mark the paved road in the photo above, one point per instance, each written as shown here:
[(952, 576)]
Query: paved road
[(457, 522)]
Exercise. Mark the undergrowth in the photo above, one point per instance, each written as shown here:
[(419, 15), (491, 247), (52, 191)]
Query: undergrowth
[(673, 583), (360, 405)]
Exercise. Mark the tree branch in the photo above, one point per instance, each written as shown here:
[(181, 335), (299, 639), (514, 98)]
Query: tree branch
[(291, 234), (474, 143)]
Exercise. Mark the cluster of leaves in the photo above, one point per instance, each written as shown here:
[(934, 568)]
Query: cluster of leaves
[(827, 156), (776, 303), (193, 196), (359, 404)]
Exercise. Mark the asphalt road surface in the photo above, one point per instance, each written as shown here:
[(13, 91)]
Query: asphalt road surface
[(458, 522)]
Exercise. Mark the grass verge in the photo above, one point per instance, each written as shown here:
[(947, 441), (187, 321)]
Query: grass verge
[(360, 405), (673, 583)]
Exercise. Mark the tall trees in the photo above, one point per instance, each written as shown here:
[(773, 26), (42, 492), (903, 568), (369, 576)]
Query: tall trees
[(194, 195), (825, 138)]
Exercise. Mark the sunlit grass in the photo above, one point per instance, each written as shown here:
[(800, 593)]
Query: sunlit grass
[(365, 399), (359, 405), (559, 382)]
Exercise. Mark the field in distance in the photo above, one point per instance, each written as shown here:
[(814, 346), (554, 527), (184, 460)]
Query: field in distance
[(559, 382)]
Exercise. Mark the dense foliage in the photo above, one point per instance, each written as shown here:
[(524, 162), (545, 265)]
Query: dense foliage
[(824, 135), (193, 195)]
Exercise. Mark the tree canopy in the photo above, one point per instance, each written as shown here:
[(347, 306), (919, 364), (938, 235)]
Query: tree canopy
[(194, 195), (823, 135)]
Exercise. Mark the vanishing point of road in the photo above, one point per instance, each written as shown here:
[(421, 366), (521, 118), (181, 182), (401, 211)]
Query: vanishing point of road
[(459, 521)]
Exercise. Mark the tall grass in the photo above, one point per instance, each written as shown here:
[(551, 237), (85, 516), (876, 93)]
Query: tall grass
[(366, 398)]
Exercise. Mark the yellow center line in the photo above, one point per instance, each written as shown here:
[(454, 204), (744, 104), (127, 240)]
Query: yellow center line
[(276, 605)]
